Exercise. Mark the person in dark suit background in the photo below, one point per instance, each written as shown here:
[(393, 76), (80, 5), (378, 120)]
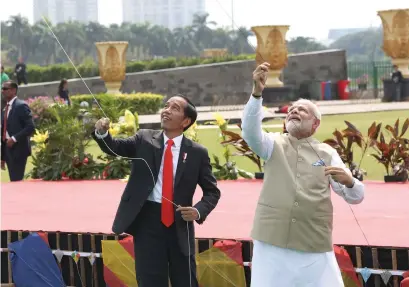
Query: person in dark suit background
[(20, 71), (397, 79), (17, 127), (163, 233), (63, 92)]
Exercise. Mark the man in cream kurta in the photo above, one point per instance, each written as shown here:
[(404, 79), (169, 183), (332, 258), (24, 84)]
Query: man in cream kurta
[(292, 229)]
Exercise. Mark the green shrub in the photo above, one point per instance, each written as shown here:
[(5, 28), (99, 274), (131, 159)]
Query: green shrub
[(60, 151), (38, 74), (115, 105)]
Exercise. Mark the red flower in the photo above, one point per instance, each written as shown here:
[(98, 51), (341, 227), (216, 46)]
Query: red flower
[(85, 161), (105, 173)]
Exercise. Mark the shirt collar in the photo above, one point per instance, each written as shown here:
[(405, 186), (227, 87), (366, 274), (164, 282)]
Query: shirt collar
[(177, 140), (12, 101)]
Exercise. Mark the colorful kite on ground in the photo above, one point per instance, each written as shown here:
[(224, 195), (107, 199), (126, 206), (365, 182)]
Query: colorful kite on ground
[(347, 269), (221, 265), (33, 263), (119, 262)]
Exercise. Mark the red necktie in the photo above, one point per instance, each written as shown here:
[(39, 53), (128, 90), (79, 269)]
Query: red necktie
[(168, 215), (5, 122)]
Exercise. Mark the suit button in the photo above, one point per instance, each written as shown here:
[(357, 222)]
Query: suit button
[(296, 203), (293, 220), (299, 147), (298, 175), (299, 159)]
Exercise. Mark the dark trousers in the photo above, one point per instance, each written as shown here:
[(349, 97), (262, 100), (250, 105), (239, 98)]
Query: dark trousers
[(21, 79), (157, 253), (398, 90), (15, 167)]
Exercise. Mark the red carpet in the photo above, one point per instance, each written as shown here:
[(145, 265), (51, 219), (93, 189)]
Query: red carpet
[(90, 206)]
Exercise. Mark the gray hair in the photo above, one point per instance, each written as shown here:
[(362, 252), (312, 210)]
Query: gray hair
[(316, 112)]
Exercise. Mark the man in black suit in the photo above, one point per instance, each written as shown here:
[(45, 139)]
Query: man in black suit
[(163, 232), (17, 126), (397, 79)]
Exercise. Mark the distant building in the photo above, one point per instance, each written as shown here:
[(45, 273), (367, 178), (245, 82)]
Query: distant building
[(59, 11), (335, 34), (167, 13)]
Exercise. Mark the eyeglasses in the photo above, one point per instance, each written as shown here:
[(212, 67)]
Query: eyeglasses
[(4, 88)]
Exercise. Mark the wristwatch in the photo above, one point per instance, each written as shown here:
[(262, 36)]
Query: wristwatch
[(256, 96)]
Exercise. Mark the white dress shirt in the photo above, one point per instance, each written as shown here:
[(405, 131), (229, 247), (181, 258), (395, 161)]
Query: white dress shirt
[(156, 194), (262, 144), (10, 104)]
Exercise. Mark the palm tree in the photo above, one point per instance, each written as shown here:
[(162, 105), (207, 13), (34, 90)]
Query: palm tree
[(19, 33), (72, 37), (240, 41), (203, 33)]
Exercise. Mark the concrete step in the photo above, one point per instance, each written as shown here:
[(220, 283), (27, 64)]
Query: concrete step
[(234, 116)]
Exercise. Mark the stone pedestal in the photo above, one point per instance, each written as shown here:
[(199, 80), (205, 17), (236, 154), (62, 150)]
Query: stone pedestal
[(277, 95), (390, 91)]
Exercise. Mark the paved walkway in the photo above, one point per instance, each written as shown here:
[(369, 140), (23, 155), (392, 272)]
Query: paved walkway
[(326, 108)]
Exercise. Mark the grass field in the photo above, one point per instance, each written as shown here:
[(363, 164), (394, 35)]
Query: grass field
[(362, 121)]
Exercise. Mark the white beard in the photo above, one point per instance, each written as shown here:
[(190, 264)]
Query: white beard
[(296, 128)]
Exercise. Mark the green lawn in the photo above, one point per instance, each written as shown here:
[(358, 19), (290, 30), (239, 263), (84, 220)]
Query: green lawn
[(362, 121)]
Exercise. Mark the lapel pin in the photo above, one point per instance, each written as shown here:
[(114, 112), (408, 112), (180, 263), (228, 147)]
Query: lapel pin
[(184, 157)]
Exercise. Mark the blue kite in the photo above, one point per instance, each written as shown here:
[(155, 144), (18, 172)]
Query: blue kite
[(33, 263)]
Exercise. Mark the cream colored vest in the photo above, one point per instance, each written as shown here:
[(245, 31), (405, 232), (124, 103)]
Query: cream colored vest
[(294, 209)]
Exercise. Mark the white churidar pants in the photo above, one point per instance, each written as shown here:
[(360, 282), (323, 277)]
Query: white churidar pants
[(279, 267)]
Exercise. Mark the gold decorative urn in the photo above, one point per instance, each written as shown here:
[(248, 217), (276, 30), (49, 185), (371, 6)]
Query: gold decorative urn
[(272, 48), (112, 64), (396, 37)]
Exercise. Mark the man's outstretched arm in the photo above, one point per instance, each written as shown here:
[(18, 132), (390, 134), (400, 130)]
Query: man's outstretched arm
[(252, 131)]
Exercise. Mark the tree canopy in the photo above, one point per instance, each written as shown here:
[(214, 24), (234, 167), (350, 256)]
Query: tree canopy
[(36, 44)]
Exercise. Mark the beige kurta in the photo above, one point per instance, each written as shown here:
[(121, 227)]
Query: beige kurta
[(292, 227)]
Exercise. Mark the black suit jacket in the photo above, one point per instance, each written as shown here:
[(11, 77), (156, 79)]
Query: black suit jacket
[(196, 170), (20, 125)]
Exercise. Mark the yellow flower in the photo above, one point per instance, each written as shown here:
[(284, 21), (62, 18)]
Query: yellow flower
[(114, 130), (40, 138), (130, 122), (194, 126), (219, 119), (129, 118)]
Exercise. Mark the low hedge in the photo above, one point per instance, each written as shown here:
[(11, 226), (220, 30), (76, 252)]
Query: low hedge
[(116, 104), (56, 72)]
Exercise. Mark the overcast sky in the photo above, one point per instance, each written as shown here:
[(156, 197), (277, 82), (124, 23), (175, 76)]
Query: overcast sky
[(307, 18)]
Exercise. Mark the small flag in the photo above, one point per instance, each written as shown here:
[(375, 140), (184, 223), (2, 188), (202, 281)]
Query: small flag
[(386, 276), (365, 274), (58, 254), (91, 258), (76, 256)]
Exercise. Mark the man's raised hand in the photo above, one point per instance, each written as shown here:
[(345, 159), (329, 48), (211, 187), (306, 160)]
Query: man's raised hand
[(260, 78), (102, 125)]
